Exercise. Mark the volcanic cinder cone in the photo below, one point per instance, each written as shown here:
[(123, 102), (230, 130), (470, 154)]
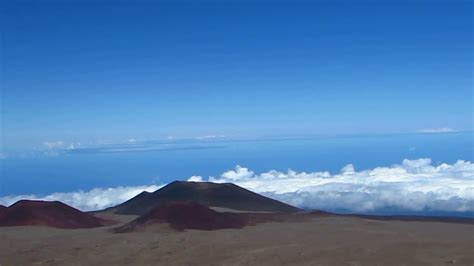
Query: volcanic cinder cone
[(208, 194), (47, 213)]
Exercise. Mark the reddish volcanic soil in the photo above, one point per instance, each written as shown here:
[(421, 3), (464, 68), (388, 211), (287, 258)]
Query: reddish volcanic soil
[(47, 213), (187, 215)]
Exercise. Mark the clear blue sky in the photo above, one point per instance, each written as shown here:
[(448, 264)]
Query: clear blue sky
[(84, 71)]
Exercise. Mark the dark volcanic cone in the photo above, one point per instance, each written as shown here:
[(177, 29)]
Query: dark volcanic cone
[(205, 193), (47, 213), (187, 215)]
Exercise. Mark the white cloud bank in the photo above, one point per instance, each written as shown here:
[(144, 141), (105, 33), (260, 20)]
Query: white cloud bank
[(95, 199), (413, 186)]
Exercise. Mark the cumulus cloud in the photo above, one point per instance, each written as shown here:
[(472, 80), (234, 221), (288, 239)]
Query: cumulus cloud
[(240, 173), (195, 178), (438, 130), (95, 199), (412, 186)]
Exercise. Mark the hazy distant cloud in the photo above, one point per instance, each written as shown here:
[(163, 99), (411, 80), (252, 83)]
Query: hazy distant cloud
[(56, 148), (73, 146), (53, 148), (438, 130), (3, 156), (127, 148), (211, 137), (413, 185), (54, 144)]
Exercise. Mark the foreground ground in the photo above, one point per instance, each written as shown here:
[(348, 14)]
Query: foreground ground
[(316, 241)]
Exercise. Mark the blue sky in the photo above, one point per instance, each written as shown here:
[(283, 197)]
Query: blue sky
[(102, 100), (91, 72)]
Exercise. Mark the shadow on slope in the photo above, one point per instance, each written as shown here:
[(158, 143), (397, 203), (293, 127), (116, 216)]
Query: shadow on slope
[(192, 215)]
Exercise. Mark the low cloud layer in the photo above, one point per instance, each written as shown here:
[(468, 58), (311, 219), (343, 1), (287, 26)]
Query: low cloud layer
[(95, 199), (412, 186)]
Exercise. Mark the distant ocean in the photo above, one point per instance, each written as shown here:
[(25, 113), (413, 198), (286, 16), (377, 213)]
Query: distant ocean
[(93, 168)]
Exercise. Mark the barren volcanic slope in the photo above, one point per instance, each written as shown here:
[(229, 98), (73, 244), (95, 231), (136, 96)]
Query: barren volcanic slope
[(187, 215), (47, 213), (205, 193)]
